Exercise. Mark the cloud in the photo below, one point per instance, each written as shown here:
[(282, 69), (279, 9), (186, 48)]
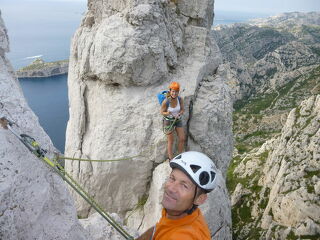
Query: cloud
[(32, 57)]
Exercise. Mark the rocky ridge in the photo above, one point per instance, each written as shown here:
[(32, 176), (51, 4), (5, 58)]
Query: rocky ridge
[(39, 68), (263, 57), (274, 75), (122, 55), (276, 186), (35, 203)]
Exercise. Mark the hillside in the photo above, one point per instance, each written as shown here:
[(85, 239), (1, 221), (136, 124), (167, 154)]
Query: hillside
[(40, 68), (274, 74)]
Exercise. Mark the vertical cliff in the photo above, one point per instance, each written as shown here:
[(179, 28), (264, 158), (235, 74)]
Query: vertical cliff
[(35, 203), (274, 176), (276, 187), (122, 55)]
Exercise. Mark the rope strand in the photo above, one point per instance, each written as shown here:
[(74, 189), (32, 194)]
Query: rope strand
[(54, 165)]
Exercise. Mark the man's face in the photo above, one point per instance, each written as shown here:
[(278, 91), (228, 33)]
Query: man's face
[(179, 192)]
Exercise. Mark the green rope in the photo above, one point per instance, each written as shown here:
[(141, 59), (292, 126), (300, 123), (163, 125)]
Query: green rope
[(96, 160), (169, 129), (73, 183), (40, 153)]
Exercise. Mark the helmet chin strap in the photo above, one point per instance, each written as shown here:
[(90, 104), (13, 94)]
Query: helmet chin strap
[(194, 206)]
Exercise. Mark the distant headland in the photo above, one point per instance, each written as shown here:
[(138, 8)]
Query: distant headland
[(39, 68)]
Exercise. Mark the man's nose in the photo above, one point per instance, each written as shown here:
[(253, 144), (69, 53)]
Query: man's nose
[(172, 186)]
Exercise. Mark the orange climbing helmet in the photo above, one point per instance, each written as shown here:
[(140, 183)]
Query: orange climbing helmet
[(174, 86)]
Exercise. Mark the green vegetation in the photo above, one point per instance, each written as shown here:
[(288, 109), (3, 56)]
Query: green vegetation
[(312, 30), (271, 72), (315, 50), (241, 214), (310, 189), (139, 206), (291, 236), (231, 180), (311, 173), (255, 105), (39, 64), (311, 237), (264, 201), (259, 133), (242, 148), (142, 201), (263, 157)]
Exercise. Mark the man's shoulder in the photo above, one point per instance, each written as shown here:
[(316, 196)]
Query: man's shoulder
[(191, 227), (190, 232)]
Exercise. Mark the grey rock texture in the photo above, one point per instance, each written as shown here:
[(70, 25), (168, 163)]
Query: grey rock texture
[(281, 179), (35, 203), (122, 55), (274, 76), (99, 230), (267, 54), (292, 172)]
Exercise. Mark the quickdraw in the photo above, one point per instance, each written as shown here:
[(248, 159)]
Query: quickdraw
[(39, 152), (167, 129)]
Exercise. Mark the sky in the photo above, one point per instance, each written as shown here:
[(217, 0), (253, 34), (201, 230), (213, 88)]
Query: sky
[(267, 6)]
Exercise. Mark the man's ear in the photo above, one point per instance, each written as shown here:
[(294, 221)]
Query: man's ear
[(201, 199)]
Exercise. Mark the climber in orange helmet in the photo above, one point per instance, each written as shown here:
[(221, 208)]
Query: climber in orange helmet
[(172, 108)]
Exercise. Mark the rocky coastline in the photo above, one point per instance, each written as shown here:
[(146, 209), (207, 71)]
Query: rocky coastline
[(39, 68)]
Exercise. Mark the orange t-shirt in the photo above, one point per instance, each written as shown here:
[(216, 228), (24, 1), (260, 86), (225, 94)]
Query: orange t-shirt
[(190, 227)]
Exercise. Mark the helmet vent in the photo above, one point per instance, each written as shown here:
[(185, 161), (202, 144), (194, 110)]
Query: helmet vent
[(178, 157), (204, 178), (195, 168), (213, 176)]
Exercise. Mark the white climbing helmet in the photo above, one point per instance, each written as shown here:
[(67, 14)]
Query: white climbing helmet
[(198, 167)]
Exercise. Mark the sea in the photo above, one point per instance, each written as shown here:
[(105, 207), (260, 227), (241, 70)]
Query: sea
[(44, 28)]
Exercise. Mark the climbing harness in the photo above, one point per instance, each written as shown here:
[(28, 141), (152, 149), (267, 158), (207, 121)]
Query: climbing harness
[(39, 152), (167, 129)]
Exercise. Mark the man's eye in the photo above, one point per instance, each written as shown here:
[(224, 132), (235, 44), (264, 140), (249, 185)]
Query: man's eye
[(185, 186)]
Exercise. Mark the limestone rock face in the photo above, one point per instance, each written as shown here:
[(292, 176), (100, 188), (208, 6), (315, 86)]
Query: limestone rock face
[(123, 54), (292, 172), (267, 54), (99, 230), (279, 196), (4, 40), (35, 203), (273, 68), (207, 128)]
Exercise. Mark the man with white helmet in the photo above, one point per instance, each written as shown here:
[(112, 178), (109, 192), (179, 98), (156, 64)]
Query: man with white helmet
[(193, 176)]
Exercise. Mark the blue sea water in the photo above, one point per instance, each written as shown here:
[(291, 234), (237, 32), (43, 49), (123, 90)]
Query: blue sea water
[(45, 28), (229, 17), (48, 98), (40, 28)]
